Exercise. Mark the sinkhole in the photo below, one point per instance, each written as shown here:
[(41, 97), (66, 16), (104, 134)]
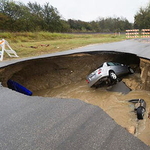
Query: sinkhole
[(52, 72), (65, 77)]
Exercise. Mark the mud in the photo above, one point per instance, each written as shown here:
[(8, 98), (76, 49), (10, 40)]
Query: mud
[(64, 77), (145, 73), (114, 104)]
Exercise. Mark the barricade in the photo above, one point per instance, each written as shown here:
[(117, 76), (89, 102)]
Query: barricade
[(145, 33), (3, 45), (132, 33)]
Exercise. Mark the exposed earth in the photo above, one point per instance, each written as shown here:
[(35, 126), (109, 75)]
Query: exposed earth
[(65, 77)]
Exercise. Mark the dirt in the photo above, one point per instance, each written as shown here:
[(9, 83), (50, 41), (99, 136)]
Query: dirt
[(65, 77)]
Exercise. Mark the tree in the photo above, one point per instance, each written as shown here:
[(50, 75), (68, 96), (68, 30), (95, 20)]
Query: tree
[(65, 27), (4, 22), (17, 15), (32, 17), (51, 18), (142, 18), (36, 17)]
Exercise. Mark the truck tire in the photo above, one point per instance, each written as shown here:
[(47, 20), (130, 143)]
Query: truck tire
[(140, 113)]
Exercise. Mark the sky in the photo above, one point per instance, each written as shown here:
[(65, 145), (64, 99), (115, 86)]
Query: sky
[(89, 10)]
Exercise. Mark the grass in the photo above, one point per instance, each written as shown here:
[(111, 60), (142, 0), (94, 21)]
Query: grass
[(28, 44)]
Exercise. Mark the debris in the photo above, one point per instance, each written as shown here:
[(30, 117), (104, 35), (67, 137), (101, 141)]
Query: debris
[(46, 45), (131, 129), (120, 87), (17, 87), (140, 112), (139, 107), (136, 105), (33, 46)]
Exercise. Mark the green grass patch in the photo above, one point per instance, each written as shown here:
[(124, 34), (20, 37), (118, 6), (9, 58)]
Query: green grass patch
[(28, 44)]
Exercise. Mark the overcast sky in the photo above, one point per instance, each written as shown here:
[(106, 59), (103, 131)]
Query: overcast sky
[(89, 10)]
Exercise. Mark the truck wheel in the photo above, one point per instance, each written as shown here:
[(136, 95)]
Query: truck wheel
[(140, 113)]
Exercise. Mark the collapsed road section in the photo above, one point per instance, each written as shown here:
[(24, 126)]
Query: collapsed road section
[(64, 77), (57, 71)]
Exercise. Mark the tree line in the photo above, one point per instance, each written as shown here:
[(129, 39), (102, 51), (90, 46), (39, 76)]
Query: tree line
[(18, 17)]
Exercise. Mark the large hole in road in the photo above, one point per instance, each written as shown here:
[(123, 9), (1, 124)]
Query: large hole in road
[(53, 72), (65, 77)]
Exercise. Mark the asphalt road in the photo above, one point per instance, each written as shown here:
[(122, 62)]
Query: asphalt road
[(37, 123), (31, 123)]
